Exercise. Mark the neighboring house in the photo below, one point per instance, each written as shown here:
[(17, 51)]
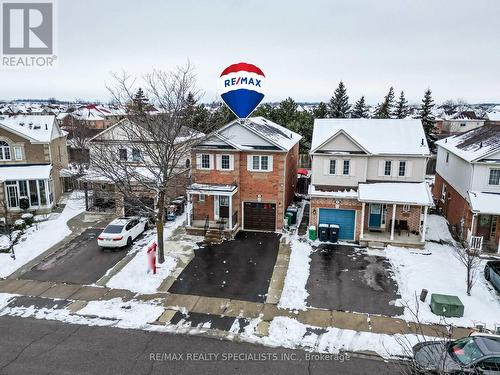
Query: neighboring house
[(130, 155), (32, 155), (244, 177), (94, 116), (493, 118), (467, 186), (368, 177), (459, 122)]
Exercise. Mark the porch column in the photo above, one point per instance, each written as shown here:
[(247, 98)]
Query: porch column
[(472, 227), (230, 212), (362, 226), (188, 211), (424, 225), (393, 221)]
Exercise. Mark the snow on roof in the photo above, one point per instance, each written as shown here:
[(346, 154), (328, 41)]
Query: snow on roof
[(212, 187), (350, 193), (277, 134), (396, 192), (493, 116), (25, 172), (376, 136), (462, 115), (474, 144), (38, 128), (485, 203)]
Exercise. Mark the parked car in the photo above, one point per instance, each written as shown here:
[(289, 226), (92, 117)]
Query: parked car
[(492, 273), (476, 354), (122, 232)]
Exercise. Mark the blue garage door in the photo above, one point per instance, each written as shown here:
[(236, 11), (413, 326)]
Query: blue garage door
[(344, 218)]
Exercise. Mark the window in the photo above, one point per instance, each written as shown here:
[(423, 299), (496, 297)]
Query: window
[(406, 208), (4, 151), (12, 197), (443, 193), (260, 163), (224, 162), (494, 177), (23, 189), (205, 161), (224, 201), (51, 191), (462, 124), (402, 168), (18, 153), (447, 157), (345, 170), (387, 168), (33, 193), (43, 196), (490, 364), (188, 163), (123, 154), (201, 198), (136, 154), (333, 165)]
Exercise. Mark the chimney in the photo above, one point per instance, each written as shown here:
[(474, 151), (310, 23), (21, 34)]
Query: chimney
[(422, 143), (481, 144), (46, 127)]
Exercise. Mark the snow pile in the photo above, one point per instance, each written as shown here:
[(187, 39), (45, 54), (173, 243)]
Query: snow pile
[(437, 230), (294, 292), (437, 269), (39, 238), (136, 276)]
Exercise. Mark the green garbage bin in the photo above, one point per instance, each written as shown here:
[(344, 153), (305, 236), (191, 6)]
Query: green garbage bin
[(288, 218), (445, 305), (312, 233)]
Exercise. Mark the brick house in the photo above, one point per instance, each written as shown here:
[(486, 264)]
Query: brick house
[(244, 177), (459, 122), (32, 155), (368, 177), (467, 186)]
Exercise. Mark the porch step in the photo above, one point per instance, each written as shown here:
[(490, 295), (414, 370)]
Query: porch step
[(214, 236), (376, 244)]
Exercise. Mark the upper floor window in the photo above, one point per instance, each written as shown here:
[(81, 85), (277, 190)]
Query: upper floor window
[(4, 151), (123, 154), (494, 177), (346, 167), (224, 162), (260, 163), (205, 161), (18, 153), (333, 165), (402, 168), (136, 154), (387, 168), (462, 124)]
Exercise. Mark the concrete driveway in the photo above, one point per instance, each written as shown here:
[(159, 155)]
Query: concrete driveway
[(346, 278), (80, 261), (237, 269)]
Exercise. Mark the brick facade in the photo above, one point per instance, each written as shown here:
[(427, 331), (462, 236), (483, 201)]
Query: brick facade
[(277, 186)]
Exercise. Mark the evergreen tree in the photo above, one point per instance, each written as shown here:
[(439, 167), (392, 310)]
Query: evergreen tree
[(321, 111), (402, 109), (140, 102), (428, 119), (338, 107), (384, 109), (360, 109)]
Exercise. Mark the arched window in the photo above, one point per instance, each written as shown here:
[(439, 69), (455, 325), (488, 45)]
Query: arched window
[(188, 163), (4, 151)]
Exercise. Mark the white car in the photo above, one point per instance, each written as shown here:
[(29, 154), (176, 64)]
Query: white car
[(121, 232)]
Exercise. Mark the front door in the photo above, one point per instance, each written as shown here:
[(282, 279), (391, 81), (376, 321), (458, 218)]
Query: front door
[(484, 227), (375, 219), (224, 206)]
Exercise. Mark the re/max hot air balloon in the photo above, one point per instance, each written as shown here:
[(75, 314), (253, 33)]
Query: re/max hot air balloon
[(241, 86)]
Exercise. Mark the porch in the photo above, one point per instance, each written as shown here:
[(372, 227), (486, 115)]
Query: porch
[(384, 238), (484, 233)]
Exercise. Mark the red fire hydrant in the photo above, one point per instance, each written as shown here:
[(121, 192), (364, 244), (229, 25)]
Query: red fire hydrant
[(152, 257)]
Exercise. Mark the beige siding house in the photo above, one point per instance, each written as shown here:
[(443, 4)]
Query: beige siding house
[(32, 154)]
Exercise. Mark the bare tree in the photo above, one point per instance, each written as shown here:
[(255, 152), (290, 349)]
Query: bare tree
[(469, 258), (13, 234), (79, 135), (150, 154)]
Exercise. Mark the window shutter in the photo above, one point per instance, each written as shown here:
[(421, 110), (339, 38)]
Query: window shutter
[(326, 167), (198, 161), (352, 167), (211, 158), (249, 163), (381, 167), (270, 163), (409, 168), (218, 162), (231, 162)]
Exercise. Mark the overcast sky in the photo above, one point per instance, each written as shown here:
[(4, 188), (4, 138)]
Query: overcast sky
[(304, 47)]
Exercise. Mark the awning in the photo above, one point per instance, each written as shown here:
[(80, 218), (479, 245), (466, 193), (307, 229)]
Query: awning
[(210, 189), (484, 203), (397, 192), (25, 172)]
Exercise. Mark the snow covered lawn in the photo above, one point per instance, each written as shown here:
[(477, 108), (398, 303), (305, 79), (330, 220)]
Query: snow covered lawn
[(437, 230), (436, 269), (294, 292), (39, 238), (136, 277)]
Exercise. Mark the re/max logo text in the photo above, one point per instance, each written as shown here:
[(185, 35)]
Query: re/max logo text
[(243, 81)]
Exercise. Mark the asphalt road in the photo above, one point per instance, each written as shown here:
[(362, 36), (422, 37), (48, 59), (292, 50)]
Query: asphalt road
[(30, 346)]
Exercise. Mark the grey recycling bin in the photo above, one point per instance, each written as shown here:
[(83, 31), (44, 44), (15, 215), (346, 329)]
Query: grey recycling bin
[(323, 232), (334, 232)]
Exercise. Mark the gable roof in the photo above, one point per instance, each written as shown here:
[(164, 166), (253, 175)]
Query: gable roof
[(36, 128), (376, 136), (475, 144)]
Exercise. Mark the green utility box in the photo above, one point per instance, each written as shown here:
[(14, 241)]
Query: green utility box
[(312, 233), (445, 305)]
